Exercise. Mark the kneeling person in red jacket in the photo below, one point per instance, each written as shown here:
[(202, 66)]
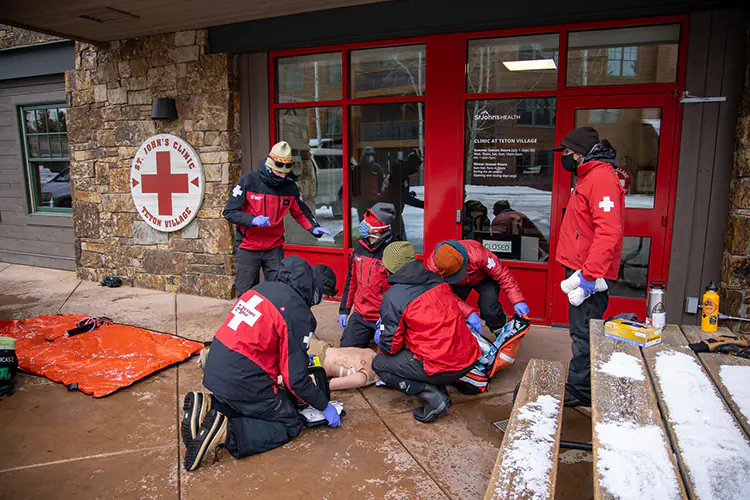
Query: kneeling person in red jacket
[(266, 335), (468, 265), (424, 341), (366, 281)]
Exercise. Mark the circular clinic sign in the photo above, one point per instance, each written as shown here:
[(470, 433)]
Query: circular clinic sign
[(166, 181)]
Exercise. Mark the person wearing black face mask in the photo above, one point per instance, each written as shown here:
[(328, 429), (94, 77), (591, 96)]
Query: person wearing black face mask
[(590, 241)]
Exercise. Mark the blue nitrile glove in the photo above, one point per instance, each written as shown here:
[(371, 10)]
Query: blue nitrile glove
[(589, 287), (332, 416), (261, 220), (521, 308), (475, 324), (320, 231), (342, 320), (377, 330)]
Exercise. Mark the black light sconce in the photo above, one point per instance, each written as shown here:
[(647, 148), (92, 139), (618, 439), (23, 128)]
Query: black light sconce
[(164, 108)]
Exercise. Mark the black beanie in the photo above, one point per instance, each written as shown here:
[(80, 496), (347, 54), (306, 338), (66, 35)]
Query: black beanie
[(581, 140), (325, 279)]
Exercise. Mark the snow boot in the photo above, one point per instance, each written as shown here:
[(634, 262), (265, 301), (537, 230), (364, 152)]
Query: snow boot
[(436, 401)]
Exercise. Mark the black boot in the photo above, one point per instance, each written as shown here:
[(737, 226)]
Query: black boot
[(436, 403)]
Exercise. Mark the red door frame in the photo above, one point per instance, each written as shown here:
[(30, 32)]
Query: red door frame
[(445, 99)]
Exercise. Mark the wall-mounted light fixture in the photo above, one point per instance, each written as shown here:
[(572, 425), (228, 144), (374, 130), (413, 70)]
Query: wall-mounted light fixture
[(164, 108)]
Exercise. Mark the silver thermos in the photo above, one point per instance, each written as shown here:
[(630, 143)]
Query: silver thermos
[(656, 307)]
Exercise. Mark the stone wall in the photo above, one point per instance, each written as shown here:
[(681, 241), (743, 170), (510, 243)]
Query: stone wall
[(11, 36), (109, 115), (735, 289)]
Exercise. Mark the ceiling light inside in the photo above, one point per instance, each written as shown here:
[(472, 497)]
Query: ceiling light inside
[(537, 64), (107, 15)]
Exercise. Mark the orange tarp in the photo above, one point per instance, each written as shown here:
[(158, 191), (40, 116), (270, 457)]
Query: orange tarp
[(99, 362)]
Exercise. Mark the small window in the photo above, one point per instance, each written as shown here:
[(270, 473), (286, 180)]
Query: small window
[(45, 138)]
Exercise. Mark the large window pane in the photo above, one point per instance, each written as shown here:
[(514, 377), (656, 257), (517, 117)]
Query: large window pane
[(518, 63), (387, 145), (508, 176), (388, 71), (634, 133), (632, 279), (309, 78), (625, 56), (318, 168), (52, 184)]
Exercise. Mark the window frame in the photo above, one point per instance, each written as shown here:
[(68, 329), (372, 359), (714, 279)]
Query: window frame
[(31, 175)]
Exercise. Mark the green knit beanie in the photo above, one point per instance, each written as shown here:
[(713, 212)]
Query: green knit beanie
[(397, 255)]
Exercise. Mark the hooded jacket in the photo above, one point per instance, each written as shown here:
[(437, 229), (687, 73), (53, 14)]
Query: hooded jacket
[(261, 193), (367, 279), (483, 263), (266, 335), (421, 313), (592, 229)]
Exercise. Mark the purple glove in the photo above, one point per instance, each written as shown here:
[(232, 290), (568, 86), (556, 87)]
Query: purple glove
[(521, 308), (342, 320), (377, 330), (475, 324), (320, 231), (332, 416), (261, 220), (589, 287)]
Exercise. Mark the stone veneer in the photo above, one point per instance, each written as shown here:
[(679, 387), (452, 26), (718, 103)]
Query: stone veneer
[(735, 286), (11, 36), (109, 115)]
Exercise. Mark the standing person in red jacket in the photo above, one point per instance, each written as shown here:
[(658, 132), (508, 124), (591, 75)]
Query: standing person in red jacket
[(467, 265), (591, 242), (257, 207), (366, 281), (423, 340)]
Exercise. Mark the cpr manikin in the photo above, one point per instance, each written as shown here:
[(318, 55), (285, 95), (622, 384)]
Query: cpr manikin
[(346, 367)]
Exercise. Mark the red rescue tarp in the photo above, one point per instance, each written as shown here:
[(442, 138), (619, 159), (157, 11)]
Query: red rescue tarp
[(99, 362)]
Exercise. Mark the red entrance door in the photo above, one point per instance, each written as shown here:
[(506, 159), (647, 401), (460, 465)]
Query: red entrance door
[(642, 130)]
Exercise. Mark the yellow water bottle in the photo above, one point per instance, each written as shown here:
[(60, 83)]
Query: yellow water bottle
[(710, 309)]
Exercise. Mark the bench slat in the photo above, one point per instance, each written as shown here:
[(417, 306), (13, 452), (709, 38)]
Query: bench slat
[(533, 433), (712, 450), (713, 362), (624, 402)]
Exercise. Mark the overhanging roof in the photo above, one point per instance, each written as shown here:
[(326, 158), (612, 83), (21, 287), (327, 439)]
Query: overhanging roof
[(102, 20)]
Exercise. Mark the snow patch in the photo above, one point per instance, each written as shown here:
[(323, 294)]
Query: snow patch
[(735, 379), (530, 452), (713, 448), (633, 462), (623, 365)]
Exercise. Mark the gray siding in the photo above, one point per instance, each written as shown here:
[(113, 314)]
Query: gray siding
[(31, 239), (716, 63), (254, 110)]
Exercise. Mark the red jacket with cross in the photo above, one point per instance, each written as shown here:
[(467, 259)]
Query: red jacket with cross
[(483, 263), (258, 193), (367, 280), (592, 228)]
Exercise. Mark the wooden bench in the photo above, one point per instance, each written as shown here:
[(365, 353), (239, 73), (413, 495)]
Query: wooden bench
[(624, 404), (526, 465), (712, 449)]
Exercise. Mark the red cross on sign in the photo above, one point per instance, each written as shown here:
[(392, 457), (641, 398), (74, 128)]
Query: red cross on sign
[(166, 182)]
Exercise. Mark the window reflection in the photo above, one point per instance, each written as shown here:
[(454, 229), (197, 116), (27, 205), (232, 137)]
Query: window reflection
[(508, 176), (632, 278), (387, 144), (315, 137), (388, 71), (315, 77)]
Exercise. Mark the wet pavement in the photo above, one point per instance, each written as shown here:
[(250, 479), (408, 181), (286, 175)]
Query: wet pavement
[(60, 444)]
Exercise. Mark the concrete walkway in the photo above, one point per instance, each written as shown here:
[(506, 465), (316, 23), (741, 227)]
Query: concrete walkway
[(60, 444)]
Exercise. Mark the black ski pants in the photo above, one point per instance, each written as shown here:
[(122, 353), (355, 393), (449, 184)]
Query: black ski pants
[(404, 372), (358, 332), (249, 262), (490, 308)]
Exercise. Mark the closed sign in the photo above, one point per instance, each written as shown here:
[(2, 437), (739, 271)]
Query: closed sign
[(166, 182), (498, 246)]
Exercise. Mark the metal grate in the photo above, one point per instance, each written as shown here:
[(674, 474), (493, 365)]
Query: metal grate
[(502, 425)]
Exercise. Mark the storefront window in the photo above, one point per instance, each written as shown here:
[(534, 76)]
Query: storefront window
[(44, 129), (634, 134), (309, 78), (508, 176), (318, 158), (625, 56), (388, 71), (387, 147), (632, 279), (513, 64)]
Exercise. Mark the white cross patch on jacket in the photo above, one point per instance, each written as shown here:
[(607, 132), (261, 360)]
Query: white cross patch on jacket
[(237, 191), (490, 262), (245, 312), (606, 204)]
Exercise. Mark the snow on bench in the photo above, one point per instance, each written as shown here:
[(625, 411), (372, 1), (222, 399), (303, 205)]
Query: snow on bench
[(526, 466), (713, 451), (632, 455)]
